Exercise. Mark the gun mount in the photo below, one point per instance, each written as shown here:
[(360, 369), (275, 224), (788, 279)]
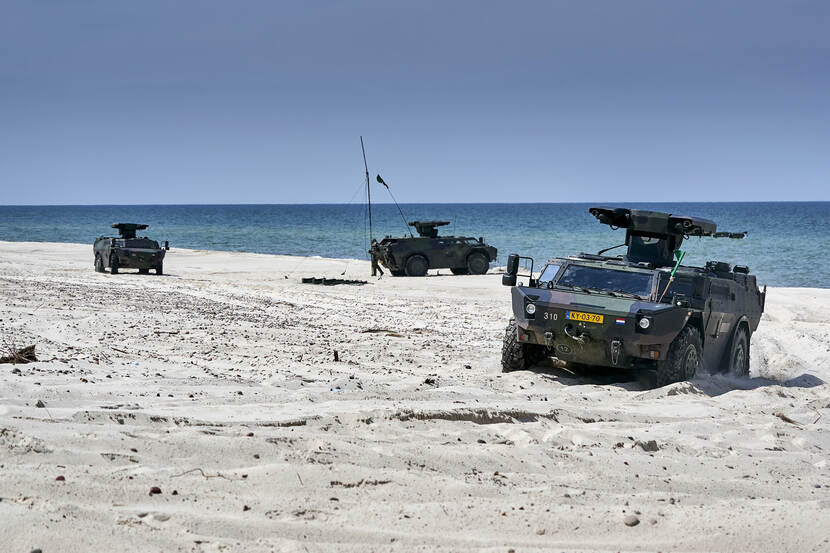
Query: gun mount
[(127, 230), (653, 236), (427, 228)]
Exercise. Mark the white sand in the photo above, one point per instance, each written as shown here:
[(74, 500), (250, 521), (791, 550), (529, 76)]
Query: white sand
[(218, 381)]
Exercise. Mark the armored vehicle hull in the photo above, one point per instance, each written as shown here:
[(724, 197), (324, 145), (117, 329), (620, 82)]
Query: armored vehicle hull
[(128, 251), (627, 314), (414, 256)]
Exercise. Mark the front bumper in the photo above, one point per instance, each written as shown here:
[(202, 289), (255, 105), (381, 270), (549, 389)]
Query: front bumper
[(618, 341), (139, 259)]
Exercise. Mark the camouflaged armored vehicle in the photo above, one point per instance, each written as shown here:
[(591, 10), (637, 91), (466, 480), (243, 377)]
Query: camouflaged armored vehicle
[(128, 251), (414, 256), (641, 310)]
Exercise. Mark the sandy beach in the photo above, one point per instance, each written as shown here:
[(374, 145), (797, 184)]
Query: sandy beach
[(226, 406)]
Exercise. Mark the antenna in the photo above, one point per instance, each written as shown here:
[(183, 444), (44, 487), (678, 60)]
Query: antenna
[(406, 225), (368, 188)]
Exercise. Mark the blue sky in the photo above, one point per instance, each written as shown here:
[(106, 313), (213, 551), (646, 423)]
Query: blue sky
[(264, 102)]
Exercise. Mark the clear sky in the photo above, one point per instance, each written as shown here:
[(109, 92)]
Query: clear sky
[(106, 101)]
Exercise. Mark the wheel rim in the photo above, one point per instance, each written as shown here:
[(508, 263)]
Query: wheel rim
[(739, 360), (478, 264), (691, 362), (418, 266)]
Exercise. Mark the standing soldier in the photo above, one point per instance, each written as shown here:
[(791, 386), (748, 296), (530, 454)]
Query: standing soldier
[(374, 253)]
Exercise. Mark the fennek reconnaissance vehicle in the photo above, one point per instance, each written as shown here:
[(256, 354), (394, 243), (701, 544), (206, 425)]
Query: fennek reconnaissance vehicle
[(129, 251), (641, 310), (415, 255)]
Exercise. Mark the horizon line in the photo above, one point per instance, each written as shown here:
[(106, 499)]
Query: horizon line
[(627, 202)]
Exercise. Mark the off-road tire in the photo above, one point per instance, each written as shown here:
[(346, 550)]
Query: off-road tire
[(460, 271), (99, 263), (160, 269), (516, 356), (477, 263), (416, 265), (737, 362), (144, 271), (684, 358), (114, 265)]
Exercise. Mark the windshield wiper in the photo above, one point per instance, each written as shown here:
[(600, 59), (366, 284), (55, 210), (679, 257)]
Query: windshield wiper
[(629, 294), (577, 288)]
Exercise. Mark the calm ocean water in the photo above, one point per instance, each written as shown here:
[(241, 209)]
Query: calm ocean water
[(788, 243)]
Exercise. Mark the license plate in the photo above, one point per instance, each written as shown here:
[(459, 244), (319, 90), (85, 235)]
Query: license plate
[(584, 317)]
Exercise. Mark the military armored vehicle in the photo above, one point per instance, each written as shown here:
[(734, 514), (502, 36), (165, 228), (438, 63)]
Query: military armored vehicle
[(414, 256), (641, 310), (128, 251)]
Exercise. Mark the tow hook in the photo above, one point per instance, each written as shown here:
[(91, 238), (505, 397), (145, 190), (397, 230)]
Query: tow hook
[(616, 345), (548, 338), (582, 338)]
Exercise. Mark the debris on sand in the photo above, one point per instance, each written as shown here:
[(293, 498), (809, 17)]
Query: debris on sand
[(332, 281), (787, 419), (631, 520), (23, 355), (650, 445)]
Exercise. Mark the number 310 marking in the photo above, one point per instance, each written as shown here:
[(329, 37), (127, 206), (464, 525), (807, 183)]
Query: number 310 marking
[(551, 316)]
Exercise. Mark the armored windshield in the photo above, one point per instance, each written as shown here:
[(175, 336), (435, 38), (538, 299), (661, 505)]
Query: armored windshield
[(139, 243), (549, 272), (611, 280)]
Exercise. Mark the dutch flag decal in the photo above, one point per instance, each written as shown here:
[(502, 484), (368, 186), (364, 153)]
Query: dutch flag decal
[(620, 321)]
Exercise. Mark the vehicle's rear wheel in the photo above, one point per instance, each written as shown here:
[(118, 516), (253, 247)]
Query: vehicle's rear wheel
[(460, 271), (737, 363), (516, 356), (114, 264), (99, 263), (160, 269), (683, 359), (477, 263), (416, 265)]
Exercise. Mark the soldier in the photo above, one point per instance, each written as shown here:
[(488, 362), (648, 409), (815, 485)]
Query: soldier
[(375, 265)]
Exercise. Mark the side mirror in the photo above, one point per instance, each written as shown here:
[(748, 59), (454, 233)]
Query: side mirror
[(166, 245), (508, 280), (513, 265)]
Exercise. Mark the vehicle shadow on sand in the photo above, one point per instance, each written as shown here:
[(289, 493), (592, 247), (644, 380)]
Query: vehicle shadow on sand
[(718, 384), (712, 385), (555, 370)]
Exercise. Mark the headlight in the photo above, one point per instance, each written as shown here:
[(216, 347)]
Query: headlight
[(530, 308), (645, 322)]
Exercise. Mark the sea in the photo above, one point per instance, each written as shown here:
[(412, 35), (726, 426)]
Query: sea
[(788, 243)]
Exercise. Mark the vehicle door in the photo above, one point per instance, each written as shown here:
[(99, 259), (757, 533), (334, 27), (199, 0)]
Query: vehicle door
[(719, 321), (446, 254)]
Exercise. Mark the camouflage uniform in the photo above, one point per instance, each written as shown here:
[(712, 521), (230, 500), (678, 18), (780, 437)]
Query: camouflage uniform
[(375, 265)]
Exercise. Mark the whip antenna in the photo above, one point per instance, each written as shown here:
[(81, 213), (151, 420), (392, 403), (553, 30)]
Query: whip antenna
[(368, 189), (380, 180)]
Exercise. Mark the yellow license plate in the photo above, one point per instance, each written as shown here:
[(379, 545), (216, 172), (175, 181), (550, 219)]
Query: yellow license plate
[(584, 317)]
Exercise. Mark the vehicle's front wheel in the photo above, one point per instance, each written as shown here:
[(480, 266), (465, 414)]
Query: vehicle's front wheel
[(737, 363), (99, 263), (160, 269), (114, 264), (683, 359), (416, 265), (460, 271), (516, 356), (477, 263)]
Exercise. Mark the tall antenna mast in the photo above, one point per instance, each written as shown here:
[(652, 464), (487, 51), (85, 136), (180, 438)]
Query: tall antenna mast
[(368, 188)]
